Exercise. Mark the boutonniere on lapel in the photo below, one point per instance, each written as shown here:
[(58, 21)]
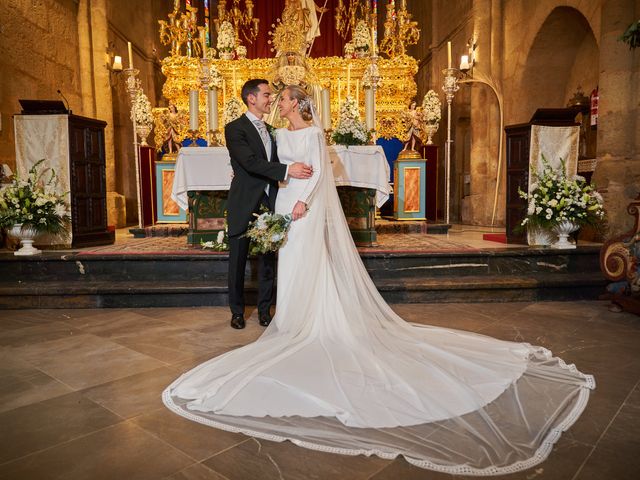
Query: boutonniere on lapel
[(271, 130)]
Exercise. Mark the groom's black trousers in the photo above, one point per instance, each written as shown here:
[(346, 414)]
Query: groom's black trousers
[(238, 252)]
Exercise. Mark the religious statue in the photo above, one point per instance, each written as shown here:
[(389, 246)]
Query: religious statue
[(172, 121), (413, 118)]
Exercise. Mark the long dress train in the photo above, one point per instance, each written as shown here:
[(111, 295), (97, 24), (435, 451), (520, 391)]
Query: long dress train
[(337, 370)]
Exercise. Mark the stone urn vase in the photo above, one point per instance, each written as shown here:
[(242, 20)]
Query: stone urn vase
[(431, 129), (26, 235), (143, 133), (563, 230)]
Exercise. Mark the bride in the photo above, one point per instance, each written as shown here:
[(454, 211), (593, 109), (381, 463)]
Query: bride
[(338, 371)]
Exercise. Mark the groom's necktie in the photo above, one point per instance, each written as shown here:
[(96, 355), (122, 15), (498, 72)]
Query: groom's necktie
[(264, 135), (266, 141)]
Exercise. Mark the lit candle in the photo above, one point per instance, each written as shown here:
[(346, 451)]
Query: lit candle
[(464, 62), (326, 109), (130, 55), (449, 54), (117, 63), (213, 108), (193, 110)]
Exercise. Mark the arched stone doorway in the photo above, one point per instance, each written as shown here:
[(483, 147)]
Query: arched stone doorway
[(563, 56)]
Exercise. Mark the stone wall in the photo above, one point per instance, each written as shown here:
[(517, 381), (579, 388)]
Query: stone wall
[(38, 55)]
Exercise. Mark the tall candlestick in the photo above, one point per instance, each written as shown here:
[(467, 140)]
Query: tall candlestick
[(213, 108), (326, 109), (449, 54), (193, 110), (130, 55)]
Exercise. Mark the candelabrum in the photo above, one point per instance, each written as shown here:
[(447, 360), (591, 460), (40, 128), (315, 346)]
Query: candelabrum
[(399, 30), (240, 17), (450, 87), (133, 85), (347, 17), (181, 29)]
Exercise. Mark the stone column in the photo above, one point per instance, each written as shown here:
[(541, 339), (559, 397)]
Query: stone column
[(484, 119), (86, 63), (617, 173)]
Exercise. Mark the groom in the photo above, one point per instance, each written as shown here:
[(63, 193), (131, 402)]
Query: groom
[(256, 172)]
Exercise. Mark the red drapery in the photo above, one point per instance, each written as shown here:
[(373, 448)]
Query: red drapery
[(268, 11)]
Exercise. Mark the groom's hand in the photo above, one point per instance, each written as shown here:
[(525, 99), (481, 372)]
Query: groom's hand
[(300, 170)]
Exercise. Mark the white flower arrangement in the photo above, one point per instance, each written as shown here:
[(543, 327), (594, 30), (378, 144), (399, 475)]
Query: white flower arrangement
[(349, 50), (554, 198), (221, 243), (241, 51), (232, 110), (362, 37), (226, 37), (34, 203), (350, 130), (141, 110), (432, 108)]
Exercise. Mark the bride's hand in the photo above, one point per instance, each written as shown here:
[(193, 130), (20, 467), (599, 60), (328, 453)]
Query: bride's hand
[(299, 210)]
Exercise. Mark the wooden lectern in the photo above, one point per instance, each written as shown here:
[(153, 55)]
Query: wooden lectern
[(518, 150), (74, 147)]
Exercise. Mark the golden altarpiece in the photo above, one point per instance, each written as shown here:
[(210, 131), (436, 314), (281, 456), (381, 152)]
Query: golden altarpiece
[(384, 85)]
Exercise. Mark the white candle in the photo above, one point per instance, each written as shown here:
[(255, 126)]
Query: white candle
[(464, 62), (369, 106), (193, 110), (130, 55), (348, 79), (449, 54), (326, 109), (213, 108)]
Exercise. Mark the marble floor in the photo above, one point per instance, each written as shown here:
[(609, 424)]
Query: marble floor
[(80, 395)]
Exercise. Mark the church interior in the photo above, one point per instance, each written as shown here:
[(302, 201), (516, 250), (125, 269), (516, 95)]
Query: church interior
[(452, 112)]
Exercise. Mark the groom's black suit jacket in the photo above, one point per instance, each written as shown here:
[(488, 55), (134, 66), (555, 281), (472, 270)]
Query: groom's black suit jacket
[(252, 171)]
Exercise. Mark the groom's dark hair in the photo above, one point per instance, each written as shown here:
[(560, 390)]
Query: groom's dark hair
[(252, 87)]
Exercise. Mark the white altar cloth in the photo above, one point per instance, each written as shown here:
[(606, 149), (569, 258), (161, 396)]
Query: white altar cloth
[(209, 168)]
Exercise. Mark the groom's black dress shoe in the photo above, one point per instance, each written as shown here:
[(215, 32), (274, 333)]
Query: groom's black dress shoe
[(237, 321), (265, 319)]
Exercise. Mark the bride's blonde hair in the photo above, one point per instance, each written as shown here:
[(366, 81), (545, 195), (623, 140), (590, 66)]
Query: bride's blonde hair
[(304, 101)]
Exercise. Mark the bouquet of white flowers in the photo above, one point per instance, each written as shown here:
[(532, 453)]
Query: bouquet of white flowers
[(141, 110), (362, 37), (268, 232), (34, 203), (232, 110), (554, 198), (432, 108), (350, 130), (226, 37)]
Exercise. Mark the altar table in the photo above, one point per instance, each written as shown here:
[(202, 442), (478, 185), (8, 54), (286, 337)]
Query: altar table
[(203, 176)]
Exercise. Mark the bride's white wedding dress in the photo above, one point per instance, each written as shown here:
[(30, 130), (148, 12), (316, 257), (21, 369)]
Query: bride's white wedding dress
[(337, 370)]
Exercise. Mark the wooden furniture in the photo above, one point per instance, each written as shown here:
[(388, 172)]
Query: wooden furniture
[(518, 149), (88, 182), (147, 185), (619, 260)]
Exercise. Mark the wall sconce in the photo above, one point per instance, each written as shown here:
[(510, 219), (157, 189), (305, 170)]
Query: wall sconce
[(468, 61), (113, 64)]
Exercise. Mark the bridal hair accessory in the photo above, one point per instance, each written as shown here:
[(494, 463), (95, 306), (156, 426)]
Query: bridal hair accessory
[(306, 104), (268, 232)]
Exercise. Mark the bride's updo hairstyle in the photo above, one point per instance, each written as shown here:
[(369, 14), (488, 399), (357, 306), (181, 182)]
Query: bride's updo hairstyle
[(304, 101)]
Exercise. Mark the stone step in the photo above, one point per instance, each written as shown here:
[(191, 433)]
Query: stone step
[(161, 293)]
